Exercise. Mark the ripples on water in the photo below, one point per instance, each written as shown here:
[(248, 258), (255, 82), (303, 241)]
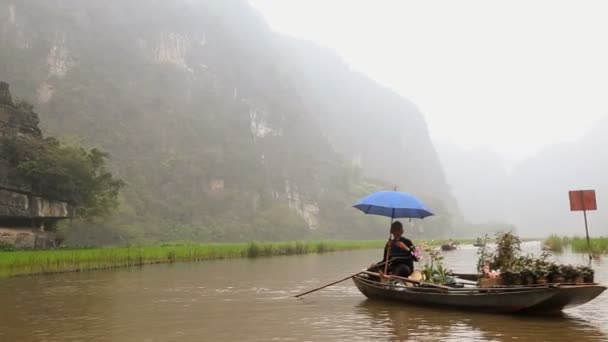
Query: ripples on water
[(251, 300)]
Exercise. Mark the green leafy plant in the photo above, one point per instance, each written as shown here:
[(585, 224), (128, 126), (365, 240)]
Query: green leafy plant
[(507, 252), (554, 273), (433, 270), (569, 273), (63, 172), (483, 255), (587, 273)]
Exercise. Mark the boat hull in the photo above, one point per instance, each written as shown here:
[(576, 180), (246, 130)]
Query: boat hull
[(484, 301), (568, 296)]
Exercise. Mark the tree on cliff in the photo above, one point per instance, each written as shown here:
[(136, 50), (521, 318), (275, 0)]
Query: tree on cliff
[(60, 171), (68, 173)]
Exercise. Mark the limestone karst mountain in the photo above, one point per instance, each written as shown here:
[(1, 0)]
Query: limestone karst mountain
[(222, 129)]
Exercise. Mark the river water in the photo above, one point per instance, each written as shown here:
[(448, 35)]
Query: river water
[(250, 300)]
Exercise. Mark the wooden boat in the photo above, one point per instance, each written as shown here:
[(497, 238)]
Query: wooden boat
[(448, 247), (534, 299), (479, 243)]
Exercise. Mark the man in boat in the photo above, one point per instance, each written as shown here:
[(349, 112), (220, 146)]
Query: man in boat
[(401, 258)]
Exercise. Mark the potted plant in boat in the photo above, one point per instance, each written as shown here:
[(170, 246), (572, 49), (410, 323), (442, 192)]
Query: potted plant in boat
[(541, 274), (525, 265), (505, 258), (509, 278), (555, 275), (587, 273), (579, 278), (540, 268), (527, 276), (434, 271), (507, 250), (569, 273)]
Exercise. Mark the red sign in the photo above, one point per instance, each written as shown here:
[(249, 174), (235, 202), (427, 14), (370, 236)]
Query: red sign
[(582, 200)]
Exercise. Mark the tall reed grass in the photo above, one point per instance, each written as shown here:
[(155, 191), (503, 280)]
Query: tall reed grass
[(598, 245), (72, 260), (15, 263), (556, 243)]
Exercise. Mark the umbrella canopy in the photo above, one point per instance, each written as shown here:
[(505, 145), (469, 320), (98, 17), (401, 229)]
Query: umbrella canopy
[(393, 204)]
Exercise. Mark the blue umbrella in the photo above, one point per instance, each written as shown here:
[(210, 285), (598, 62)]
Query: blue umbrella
[(393, 204)]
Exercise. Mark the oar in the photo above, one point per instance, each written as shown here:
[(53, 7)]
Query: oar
[(339, 281), (328, 285)]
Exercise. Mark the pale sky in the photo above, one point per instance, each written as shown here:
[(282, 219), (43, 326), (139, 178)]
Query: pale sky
[(509, 76)]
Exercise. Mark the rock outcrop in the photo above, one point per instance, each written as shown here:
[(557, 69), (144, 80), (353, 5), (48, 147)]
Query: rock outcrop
[(27, 220), (17, 119), (5, 95)]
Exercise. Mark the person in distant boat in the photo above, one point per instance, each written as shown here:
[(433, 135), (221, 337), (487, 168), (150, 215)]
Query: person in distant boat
[(401, 257)]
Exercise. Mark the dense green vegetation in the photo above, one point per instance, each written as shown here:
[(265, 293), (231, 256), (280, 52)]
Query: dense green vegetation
[(68, 173)]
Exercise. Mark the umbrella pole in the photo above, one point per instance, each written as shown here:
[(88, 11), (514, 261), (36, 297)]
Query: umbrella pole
[(388, 246)]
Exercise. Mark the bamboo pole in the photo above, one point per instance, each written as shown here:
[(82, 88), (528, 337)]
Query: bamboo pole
[(390, 238)]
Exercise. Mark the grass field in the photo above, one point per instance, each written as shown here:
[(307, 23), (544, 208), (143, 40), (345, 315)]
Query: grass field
[(15, 263)]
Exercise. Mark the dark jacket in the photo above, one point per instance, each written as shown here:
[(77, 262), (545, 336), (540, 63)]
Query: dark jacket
[(405, 257)]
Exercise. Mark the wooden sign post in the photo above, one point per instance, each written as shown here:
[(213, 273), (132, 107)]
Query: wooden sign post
[(583, 200)]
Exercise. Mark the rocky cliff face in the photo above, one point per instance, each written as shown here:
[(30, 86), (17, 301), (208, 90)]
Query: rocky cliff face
[(211, 121), (373, 127)]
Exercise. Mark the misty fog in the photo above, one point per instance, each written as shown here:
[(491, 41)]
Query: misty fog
[(241, 120), (514, 94)]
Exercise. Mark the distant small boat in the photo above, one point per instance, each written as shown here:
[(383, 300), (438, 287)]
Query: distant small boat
[(479, 244), (448, 247)]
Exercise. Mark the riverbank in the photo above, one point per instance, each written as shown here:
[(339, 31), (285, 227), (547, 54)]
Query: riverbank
[(17, 263)]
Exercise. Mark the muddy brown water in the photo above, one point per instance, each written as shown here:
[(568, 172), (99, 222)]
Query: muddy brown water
[(250, 300)]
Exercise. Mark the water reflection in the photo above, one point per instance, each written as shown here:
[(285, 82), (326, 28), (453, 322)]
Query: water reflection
[(405, 322)]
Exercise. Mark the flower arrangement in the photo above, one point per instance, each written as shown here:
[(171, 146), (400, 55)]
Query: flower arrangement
[(489, 273), (417, 252)]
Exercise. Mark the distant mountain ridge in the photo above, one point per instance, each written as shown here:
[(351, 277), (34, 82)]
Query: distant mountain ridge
[(222, 129), (534, 195)]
